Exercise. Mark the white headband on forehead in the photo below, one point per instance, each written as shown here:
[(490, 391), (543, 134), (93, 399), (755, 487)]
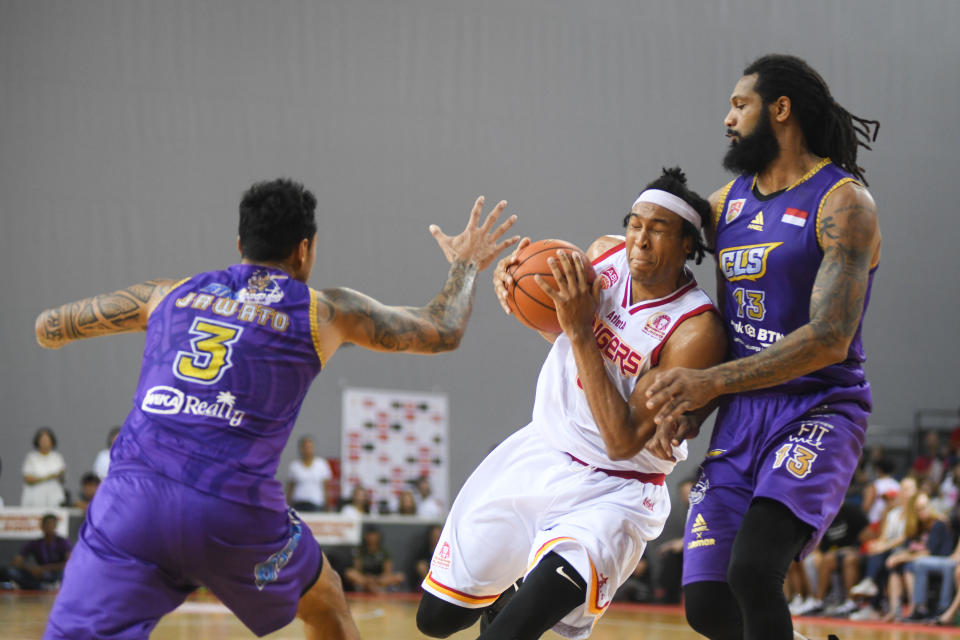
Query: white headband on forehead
[(669, 201)]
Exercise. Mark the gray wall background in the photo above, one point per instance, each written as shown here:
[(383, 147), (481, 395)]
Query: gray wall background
[(129, 129)]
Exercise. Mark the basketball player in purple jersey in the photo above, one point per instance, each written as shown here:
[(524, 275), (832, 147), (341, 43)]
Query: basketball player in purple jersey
[(797, 243), (191, 498)]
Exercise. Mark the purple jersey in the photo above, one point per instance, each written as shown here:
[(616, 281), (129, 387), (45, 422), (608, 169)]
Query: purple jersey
[(768, 250), (228, 359)]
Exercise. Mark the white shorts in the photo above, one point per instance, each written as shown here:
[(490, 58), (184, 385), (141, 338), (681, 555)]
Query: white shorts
[(526, 499)]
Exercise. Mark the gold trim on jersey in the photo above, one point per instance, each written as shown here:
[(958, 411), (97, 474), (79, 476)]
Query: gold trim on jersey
[(315, 326), (807, 175), (837, 185), (721, 204)]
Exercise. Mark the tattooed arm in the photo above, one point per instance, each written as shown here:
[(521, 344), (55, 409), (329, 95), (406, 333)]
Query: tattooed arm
[(345, 315), (118, 312), (850, 237)]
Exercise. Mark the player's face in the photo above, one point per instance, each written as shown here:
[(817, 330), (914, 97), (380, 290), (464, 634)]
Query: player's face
[(656, 246), (753, 145), (307, 449)]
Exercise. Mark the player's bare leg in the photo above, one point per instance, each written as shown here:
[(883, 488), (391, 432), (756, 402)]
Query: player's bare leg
[(323, 609)]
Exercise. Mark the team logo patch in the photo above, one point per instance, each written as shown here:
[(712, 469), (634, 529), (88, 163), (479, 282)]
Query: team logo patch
[(748, 262), (649, 504), (608, 277), (796, 217), (699, 491), (734, 207), (442, 558), (657, 325), (698, 529), (262, 288)]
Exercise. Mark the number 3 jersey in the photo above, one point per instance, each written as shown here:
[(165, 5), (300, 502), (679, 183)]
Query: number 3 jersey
[(228, 359), (769, 252), (630, 336)]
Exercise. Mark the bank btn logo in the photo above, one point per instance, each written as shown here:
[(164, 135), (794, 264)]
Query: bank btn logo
[(734, 207), (748, 262)]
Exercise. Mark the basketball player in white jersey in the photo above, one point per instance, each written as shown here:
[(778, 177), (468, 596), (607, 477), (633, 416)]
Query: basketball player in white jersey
[(570, 501)]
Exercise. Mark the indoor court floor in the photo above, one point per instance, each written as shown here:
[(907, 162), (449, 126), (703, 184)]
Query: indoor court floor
[(23, 616)]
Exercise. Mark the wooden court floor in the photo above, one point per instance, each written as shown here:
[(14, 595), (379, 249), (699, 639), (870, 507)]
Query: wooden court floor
[(23, 616)]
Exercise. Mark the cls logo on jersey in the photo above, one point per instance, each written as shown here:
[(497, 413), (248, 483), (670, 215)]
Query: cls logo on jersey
[(734, 207), (442, 558), (608, 277), (699, 490), (657, 325), (746, 263), (262, 288)]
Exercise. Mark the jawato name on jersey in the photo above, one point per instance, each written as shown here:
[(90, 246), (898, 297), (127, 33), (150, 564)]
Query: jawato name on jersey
[(230, 308)]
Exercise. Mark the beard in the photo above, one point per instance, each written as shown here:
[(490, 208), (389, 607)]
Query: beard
[(753, 152)]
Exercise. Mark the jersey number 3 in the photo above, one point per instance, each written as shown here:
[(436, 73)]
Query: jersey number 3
[(209, 356)]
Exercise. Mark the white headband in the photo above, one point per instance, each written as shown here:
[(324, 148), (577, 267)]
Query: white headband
[(669, 201)]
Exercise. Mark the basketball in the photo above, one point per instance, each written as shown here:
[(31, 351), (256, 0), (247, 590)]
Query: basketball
[(526, 299)]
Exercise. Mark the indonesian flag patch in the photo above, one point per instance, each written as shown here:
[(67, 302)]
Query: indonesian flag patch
[(796, 217)]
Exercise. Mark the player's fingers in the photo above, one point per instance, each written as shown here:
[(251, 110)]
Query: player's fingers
[(581, 273), (557, 272), (502, 229), (437, 233), (506, 243), (524, 243), (547, 289), (493, 215), (475, 212), (660, 382)]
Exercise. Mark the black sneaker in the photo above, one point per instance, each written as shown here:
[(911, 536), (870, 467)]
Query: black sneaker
[(490, 612)]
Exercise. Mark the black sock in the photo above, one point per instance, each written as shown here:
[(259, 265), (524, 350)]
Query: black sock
[(551, 591)]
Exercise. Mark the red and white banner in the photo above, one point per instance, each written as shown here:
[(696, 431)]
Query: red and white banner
[(23, 523)]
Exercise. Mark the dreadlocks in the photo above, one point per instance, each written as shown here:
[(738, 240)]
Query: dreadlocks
[(829, 129)]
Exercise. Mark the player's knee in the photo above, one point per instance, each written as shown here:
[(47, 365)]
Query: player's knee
[(438, 618), (711, 610)]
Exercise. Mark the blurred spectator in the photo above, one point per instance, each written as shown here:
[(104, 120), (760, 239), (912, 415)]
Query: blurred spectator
[(421, 564), (892, 535), (796, 588), (102, 462), (926, 535), (948, 490), (638, 587), (43, 472), (670, 553), (359, 502), (428, 505), (929, 465), (406, 505), (839, 548), (88, 486), (873, 505), (40, 562), (307, 477), (372, 570)]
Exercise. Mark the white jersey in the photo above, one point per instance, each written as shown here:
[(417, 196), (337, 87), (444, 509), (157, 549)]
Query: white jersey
[(630, 336)]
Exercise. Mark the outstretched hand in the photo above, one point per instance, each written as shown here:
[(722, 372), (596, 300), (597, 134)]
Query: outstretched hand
[(477, 243), (679, 390)]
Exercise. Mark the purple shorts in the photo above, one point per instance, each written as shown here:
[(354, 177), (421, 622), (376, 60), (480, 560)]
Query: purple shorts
[(800, 450), (148, 542)]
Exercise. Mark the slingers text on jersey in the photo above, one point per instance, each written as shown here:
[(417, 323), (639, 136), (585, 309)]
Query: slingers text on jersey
[(630, 336)]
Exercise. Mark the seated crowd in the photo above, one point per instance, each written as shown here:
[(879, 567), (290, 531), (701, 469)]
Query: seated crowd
[(892, 551)]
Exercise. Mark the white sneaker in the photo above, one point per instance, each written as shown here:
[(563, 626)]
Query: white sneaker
[(844, 609), (867, 613), (795, 604), (866, 588), (810, 605)]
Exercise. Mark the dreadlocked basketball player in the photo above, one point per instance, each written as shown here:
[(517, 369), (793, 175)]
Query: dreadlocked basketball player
[(570, 501), (797, 243), (191, 498)]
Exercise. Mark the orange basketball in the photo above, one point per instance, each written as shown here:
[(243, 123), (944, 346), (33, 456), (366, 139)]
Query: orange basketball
[(526, 299)]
